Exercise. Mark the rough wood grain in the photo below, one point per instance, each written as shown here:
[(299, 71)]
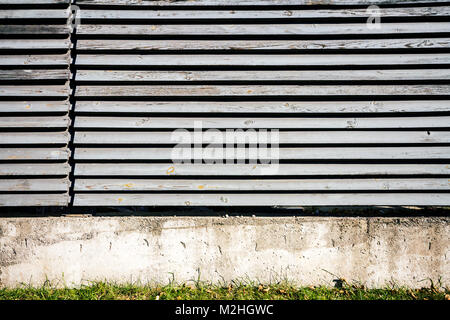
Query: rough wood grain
[(284, 137), (242, 199), (34, 154), (262, 60), (249, 2), (31, 200), (255, 14), (35, 122), (34, 169), (30, 74), (249, 75), (35, 43), (109, 44), (292, 123), (34, 137), (34, 29), (328, 169), (262, 107), (253, 29), (53, 14), (33, 1), (34, 185), (35, 91), (212, 153), (240, 90), (23, 60), (258, 185), (34, 106)]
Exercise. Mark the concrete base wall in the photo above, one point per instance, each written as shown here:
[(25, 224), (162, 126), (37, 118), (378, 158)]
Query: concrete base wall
[(305, 250)]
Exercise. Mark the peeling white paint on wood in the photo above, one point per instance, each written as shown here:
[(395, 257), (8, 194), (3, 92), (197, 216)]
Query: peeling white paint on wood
[(258, 185), (326, 169), (262, 106), (242, 199)]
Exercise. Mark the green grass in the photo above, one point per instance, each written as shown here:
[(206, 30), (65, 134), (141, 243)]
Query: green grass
[(283, 291)]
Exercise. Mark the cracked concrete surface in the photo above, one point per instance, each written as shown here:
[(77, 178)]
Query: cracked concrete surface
[(304, 250)]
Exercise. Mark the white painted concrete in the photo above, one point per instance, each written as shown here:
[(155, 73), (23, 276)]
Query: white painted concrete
[(305, 250)]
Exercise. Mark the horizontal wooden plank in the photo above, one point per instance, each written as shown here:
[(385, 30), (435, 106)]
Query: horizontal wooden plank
[(238, 90), (284, 137), (262, 60), (34, 137), (35, 60), (35, 44), (253, 184), (34, 29), (34, 185), (261, 123), (331, 169), (48, 14), (249, 29), (33, 1), (34, 169), (33, 91), (34, 106), (34, 153), (30, 74), (250, 75), (262, 107), (29, 200), (35, 122), (261, 14), (109, 44), (338, 153), (249, 2), (242, 199)]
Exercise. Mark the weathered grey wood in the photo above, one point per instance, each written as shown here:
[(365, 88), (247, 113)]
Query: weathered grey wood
[(34, 153), (33, 1), (262, 60), (262, 107), (242, 199), (34, 29), (11, 152), (257, 29), (30, 74), (35, 122), (34, 185), (333, 169), (34, 106), (108, 44), (57, 59), (64, 13), (125, 109), (297, 123), (250, 75), (34, 44), (250, 2), (254, 153), (34, 137), (34, 169), (258, 14), (20, 200), (266, 184), (40, 90), (244, 90), (300, 137)]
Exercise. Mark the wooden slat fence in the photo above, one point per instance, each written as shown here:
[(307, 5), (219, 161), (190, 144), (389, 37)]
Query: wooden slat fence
[(34, 103), (362, 112)]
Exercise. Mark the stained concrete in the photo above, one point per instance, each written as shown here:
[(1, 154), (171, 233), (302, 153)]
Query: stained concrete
[(304, 250)]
